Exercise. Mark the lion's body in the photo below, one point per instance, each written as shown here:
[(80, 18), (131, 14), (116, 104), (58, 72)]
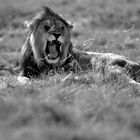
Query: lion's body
[(105, 62)]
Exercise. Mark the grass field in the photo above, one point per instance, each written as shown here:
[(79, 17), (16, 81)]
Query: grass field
[(84, 107)]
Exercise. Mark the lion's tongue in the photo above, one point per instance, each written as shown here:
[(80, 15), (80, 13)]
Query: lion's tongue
[(52, 51)]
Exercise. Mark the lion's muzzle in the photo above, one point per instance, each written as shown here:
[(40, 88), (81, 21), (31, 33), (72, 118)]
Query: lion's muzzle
[(54, 47)]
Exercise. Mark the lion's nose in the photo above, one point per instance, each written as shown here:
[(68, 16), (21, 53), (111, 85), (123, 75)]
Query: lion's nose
[(56, 35)]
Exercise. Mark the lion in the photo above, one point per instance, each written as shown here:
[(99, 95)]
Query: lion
[(47, 44), (49, 47)]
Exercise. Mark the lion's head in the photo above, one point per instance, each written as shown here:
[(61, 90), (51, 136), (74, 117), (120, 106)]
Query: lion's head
[(49, 36)]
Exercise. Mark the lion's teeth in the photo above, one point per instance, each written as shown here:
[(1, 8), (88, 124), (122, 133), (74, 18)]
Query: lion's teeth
[(51, 38), (60, 39), (61, 48)]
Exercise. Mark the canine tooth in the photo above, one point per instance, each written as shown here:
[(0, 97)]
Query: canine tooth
[(61, 47), (61, 39)]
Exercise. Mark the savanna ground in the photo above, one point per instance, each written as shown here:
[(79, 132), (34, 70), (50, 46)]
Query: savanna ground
[(81, 107)]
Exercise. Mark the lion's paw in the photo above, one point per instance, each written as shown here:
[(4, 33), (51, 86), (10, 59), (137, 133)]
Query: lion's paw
[(23, 80)]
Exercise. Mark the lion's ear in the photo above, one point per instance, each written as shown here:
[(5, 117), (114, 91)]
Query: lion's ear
[(70, 24), (67, 23), (29, 24)]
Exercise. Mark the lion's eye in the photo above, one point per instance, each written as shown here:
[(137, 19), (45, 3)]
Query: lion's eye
[(46, 28), (62, 28)]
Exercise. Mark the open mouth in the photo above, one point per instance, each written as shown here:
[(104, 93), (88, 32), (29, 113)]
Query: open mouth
[(53, 47)]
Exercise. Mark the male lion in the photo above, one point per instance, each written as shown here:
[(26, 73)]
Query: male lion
[(48, 46)]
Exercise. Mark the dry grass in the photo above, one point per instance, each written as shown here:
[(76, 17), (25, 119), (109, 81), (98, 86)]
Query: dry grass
[(83, 107)]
